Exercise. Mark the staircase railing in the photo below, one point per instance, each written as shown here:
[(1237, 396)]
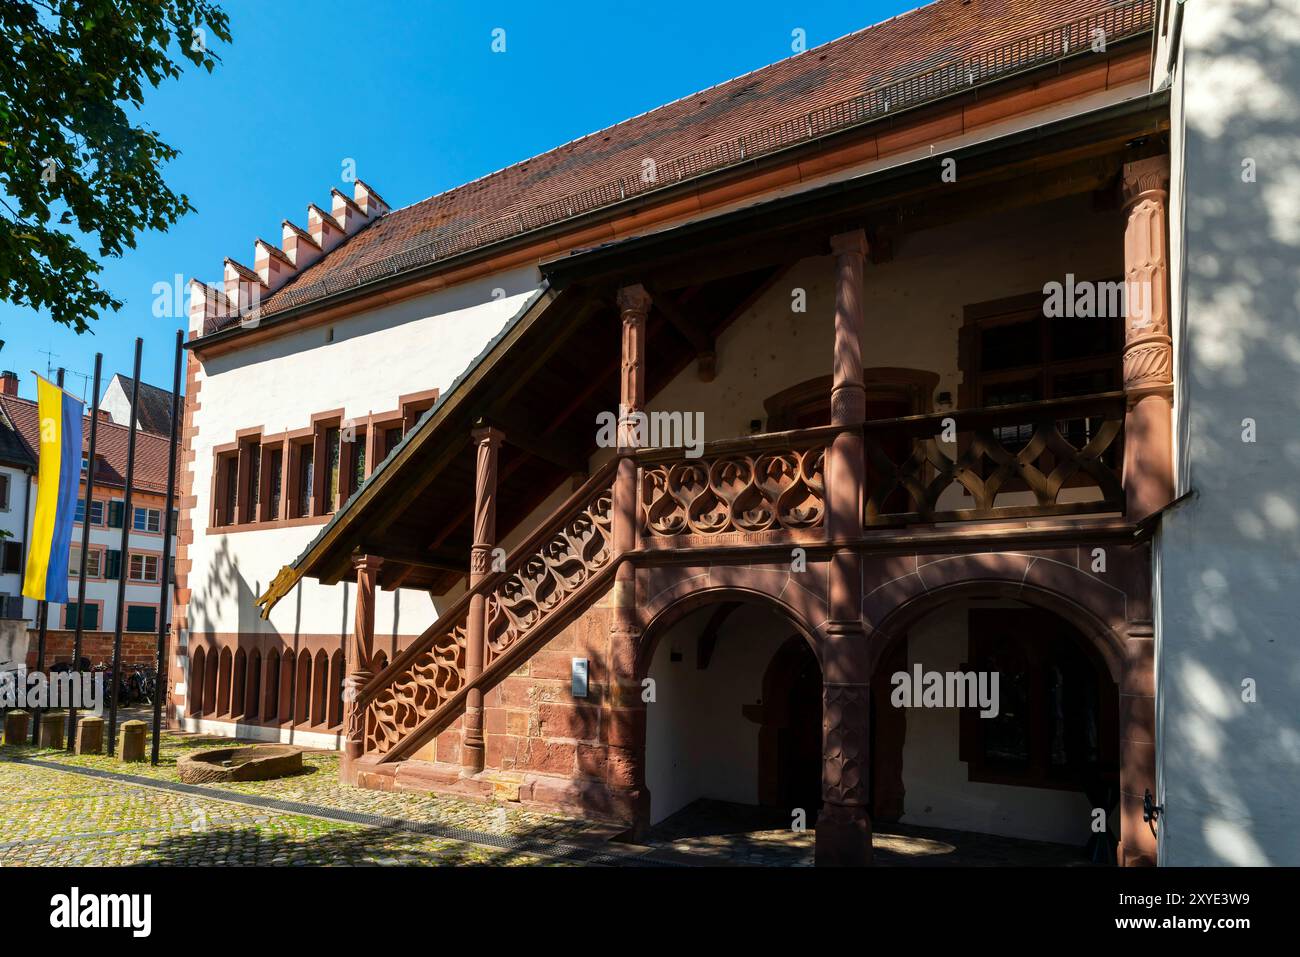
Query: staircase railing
[(423, 689), (758, 488)]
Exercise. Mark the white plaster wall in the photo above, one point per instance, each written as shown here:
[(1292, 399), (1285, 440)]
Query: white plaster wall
[(116, 402), (374, 358), (1228, 564), (698, 744), (937, 792)]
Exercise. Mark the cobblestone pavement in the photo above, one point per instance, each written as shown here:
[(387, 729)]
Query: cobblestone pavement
[(50, 816), (54, 817)]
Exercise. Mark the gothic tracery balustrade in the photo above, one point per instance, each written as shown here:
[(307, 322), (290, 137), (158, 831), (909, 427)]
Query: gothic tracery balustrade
[(564, 554), (772, 483), (418, 691), (544, 578)]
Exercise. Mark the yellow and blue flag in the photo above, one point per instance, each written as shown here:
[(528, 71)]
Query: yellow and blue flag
[(57, 485)]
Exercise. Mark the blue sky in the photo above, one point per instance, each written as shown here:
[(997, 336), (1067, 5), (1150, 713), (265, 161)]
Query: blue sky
[(414, 95)]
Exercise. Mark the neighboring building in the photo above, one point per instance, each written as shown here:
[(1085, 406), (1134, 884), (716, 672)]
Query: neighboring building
[(141, 563), (17, 472), (155, 413), (883, 275)]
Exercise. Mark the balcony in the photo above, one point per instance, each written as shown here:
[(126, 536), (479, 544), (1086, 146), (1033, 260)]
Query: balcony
[(1026, 461)]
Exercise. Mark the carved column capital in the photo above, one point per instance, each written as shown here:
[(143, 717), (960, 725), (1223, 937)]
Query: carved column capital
[(633, 301), (852, 243), (488, 435), (368, 564), (1145, 176)]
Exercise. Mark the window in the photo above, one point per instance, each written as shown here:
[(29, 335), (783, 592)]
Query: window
[(254, 479), (141, 618), (277, 482), (1057, 707), (80, 515), (13, 557), (4, 492), (147, 520), (89, 616), (228, 489), (391, 438), (1013, 353), (93, 562), (358, 462), (306, 480), (96, 512), (333, 449), (144, 568)]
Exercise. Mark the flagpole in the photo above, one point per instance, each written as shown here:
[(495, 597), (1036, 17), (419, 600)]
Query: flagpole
[(43, 613), (85, 548), (125, 568), (164, 602)]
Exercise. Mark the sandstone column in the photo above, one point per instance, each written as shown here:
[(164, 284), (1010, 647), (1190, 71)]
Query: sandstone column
[(625, 734), (844, 827), (1148, 349), (488, 443), (359, 651)]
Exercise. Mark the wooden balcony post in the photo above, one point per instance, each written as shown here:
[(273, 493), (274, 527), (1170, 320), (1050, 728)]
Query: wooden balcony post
[(488, 442), (844, 827), (625, 734), (358, 654), (1148, 349)]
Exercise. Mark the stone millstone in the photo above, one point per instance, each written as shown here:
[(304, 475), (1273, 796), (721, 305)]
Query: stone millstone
[(240, 764)]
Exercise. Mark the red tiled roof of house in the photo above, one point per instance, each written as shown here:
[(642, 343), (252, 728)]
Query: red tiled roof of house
[(508, 201), (110, 447)]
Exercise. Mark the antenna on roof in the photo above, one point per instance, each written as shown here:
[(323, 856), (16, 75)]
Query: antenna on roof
[(49, 362), (85, 379)]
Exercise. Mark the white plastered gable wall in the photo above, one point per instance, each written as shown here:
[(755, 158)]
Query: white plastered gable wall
[(373, 358), (1227, 572)]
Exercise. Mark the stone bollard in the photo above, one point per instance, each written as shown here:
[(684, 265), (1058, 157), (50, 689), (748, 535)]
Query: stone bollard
[(52, 725), (16, 724), (130, 742), (90, 735)]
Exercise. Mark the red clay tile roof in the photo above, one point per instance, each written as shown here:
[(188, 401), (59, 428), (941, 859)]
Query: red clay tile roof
[(839, 84), (110, 447)]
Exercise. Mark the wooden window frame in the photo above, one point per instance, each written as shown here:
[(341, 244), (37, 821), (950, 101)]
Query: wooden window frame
[(1012, 310), (144, 559), (135, 509), (984, 626)]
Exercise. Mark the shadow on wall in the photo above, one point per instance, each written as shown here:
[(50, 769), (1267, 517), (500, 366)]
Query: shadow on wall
[(1230, 559)]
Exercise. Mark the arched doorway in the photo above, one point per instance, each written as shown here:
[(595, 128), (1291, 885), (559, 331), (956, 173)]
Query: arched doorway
[(733, 724), (790, 735)]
